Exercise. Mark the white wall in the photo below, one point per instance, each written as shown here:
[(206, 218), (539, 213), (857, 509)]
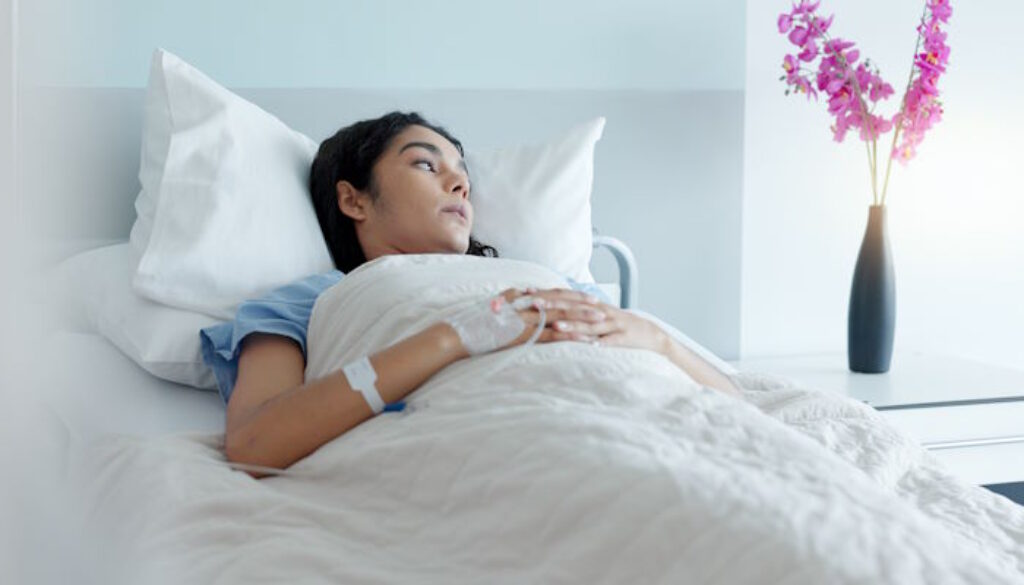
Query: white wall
[(956, 212), (394, 44)]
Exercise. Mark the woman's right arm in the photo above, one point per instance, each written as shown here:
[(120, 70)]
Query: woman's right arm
[(274, 419)]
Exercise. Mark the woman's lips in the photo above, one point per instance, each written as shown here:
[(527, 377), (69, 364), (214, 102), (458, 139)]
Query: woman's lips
[(457, 210)]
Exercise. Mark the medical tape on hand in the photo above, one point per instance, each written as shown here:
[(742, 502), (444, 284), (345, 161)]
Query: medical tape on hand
[(519, 304), (361, 377), (493, 323), (489, 324)]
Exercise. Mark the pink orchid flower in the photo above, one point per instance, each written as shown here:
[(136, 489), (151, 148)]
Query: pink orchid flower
[(854, 88), (785, 23)]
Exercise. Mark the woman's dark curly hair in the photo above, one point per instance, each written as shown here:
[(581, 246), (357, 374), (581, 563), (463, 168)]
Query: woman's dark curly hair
[(349, 155)]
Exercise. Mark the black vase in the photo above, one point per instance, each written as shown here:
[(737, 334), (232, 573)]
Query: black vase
[(872, 318)]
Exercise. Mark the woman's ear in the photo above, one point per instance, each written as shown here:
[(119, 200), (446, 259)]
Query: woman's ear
[(351, 201)]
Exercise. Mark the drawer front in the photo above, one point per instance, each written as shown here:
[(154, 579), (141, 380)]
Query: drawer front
[(951, 424), (985, 465)]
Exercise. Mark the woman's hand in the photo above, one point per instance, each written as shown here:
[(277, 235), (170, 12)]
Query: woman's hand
[(624, 329), (576, 316), (558, 304), (509, 319)]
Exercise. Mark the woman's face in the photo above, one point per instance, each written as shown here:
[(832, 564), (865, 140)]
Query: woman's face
[(422, 203)]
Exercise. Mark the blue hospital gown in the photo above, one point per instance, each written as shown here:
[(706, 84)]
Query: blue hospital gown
[(284, 311)]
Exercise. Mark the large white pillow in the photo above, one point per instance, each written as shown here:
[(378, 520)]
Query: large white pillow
[(228, 203), (224, 214), (532, 202), (95, 294)]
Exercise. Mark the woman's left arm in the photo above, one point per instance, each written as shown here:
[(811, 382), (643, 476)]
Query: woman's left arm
[(624, 329), (697, 367)]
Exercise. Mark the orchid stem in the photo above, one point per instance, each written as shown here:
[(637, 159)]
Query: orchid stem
[(872, 160), (903, 106)]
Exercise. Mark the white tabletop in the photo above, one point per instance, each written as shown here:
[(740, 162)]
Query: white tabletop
[(914, 379)]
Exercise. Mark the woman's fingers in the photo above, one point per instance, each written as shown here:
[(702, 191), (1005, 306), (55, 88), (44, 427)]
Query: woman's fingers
[(511, 294), (577, 321), (569, 311), (574, 303), (532, 319), (615, 339), (593, 329), (575, 313), (569, 336), (561, 298), (570, 316), (581, 320), (553, 335)]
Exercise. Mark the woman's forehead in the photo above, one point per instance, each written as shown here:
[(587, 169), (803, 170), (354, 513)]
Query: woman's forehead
[(425, 138)]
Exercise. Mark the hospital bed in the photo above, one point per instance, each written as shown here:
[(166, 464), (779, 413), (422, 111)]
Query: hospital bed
[(98, 388), (106, 176), (912, 529)]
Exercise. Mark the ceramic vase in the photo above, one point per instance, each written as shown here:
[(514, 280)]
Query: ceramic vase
[(872, 315)]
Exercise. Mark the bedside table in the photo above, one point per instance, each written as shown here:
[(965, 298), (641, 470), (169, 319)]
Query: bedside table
[(969, 414)]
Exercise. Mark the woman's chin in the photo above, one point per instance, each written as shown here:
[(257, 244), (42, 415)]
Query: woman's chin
[(454, 246), (459, 243)]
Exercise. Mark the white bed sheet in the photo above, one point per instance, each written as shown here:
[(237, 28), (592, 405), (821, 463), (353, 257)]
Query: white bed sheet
[(83, 388), (95, 388)]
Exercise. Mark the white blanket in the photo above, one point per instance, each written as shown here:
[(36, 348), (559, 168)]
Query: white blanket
[(560, 462)]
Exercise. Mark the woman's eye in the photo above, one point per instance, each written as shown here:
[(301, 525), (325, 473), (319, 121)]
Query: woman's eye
[(429, 164)]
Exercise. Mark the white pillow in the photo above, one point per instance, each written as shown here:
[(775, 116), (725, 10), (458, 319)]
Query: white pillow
[(230, 212), (224, 189), (95, 294), (533, 202)]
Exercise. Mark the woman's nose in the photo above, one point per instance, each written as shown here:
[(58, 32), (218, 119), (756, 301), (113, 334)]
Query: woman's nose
[(459, 186)]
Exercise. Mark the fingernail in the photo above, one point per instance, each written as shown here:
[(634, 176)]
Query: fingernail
[(562, 326), (591, 298), (539, 303)]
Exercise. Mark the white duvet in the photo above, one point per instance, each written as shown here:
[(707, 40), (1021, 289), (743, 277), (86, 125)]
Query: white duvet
[(556, 463)]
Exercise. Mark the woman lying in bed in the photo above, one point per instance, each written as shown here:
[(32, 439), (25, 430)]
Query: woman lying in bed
[(392, 185)]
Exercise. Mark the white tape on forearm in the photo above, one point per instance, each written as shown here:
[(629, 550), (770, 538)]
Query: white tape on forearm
[(361, 377)]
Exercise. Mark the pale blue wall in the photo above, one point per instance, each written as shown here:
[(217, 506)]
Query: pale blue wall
[(408, 44)]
